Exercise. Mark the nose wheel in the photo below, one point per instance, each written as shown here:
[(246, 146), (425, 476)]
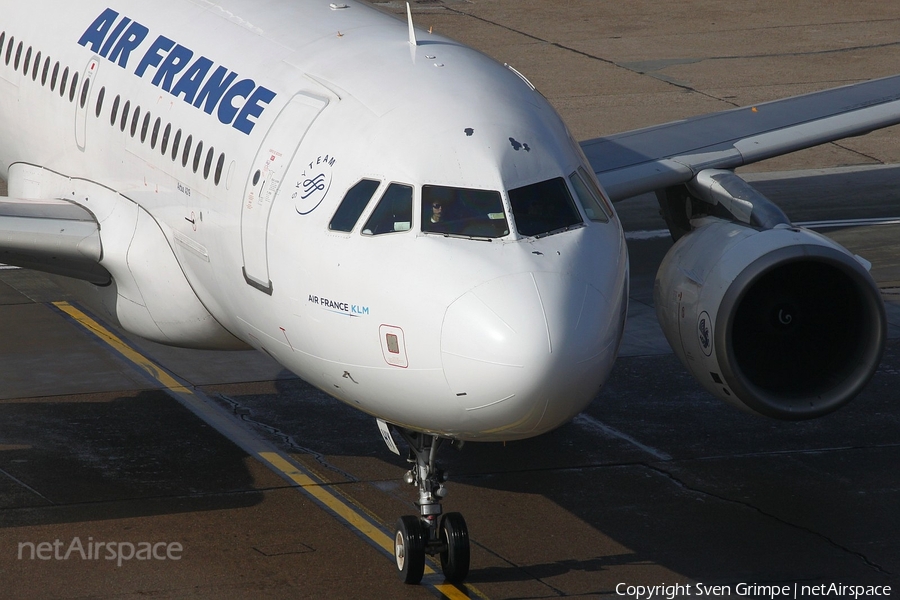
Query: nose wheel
[(409, 549), (429, 532), (455, 541)]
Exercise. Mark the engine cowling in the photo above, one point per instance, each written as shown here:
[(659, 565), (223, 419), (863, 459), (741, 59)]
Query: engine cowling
[(782, 322)]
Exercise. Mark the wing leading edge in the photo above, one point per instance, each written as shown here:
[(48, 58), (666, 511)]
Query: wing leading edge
[(661, 156), (55, 236)]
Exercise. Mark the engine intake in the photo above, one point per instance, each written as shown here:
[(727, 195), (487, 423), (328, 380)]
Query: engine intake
[(782, 322)]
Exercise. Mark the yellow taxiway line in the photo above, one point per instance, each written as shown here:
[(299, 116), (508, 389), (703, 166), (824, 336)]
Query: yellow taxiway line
[(281, 463)]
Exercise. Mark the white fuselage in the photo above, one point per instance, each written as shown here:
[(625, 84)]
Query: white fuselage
[(468, 336)]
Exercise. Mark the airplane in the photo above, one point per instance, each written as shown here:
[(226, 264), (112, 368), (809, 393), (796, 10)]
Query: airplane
[(409, 225)]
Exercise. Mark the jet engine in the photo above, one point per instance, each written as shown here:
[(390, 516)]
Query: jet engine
[(775, 319)]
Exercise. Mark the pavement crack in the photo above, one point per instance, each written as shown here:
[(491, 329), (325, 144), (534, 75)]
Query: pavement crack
[(639, 68), (145, 498), (843, 23), (832, 542), (671, 461), (677, 84), (805, 52), (538, 39), (515, 567), (858, 153), (245, 414), (801, 451)]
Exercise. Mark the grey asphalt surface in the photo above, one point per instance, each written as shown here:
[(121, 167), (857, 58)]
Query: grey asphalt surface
[(656, 483)]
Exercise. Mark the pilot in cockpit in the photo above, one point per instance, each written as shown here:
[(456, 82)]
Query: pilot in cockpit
[(435, 201), (436, 208)]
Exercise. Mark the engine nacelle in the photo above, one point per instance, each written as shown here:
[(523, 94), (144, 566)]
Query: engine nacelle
[(782, 322)]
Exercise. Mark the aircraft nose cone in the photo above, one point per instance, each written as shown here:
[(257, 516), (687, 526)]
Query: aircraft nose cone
[(526, 352)]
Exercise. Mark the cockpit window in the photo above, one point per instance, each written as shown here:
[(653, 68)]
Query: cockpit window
[(589, 196), (462, 211), (544, 208), (353, 204), (393, 213)]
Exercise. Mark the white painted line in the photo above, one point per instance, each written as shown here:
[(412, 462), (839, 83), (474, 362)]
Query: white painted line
[(849, 223), (646, 235), (585, 421)]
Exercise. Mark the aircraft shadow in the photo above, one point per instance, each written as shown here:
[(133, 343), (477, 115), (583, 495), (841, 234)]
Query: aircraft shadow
[(657, 472), (111, 456)]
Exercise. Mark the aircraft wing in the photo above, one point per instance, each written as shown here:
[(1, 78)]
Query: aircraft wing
[(55, 236), (643, 160)]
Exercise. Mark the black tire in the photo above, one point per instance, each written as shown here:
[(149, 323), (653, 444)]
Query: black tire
[(455, 559), (409, 549)]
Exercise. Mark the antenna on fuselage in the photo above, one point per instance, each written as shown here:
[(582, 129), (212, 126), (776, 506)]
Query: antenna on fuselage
[(412, 31)]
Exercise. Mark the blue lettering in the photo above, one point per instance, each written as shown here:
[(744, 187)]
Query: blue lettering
[(237, 102), (253, 108), (190, 82), (152, 58), (130, 40), (215, 87), (96, 33), (227, 110), (115, 35), (171, 66)]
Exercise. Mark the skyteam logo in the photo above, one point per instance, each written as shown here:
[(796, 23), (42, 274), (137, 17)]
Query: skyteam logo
[(314, 185), (174, 68), (704, 333)]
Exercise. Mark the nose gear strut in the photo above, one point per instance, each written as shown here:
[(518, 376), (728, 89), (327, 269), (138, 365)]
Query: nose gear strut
[(429, 532)]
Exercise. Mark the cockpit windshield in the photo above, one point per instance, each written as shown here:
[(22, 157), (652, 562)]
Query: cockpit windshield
[(544, 208), (463, 212)]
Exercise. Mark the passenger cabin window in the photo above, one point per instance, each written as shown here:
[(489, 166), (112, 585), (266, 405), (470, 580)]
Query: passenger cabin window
[(208, 165), (175, 144), (62, 84), (154, 137), (165, 139), (123, 122), (544, 208), (219, 167), (145, 126), (186, 155), (100, 97), (113, 115), (352, 206), (463, 212), (74, 87), (393, 213), (85, 88), (198, 154), (135, 119), (589, 196)]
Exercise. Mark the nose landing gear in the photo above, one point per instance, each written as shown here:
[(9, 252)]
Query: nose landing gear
[(429, 532)]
